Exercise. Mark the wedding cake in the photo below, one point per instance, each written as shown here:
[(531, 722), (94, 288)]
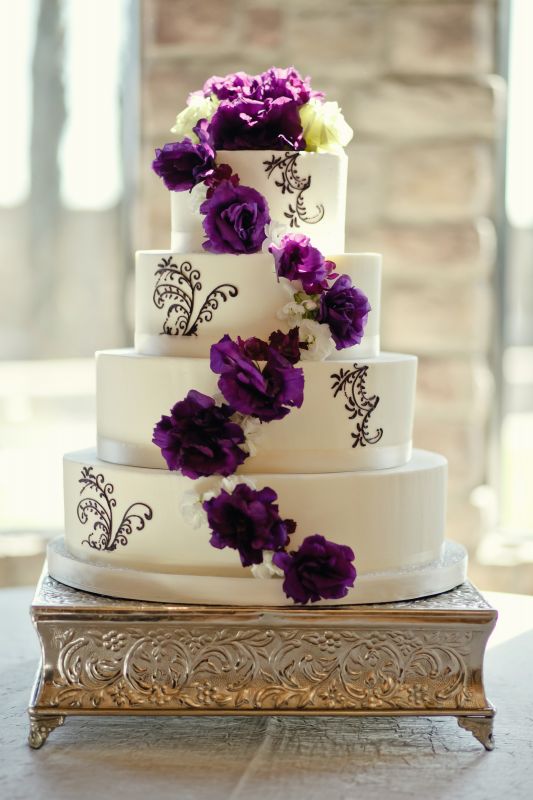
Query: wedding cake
[(255, 447)]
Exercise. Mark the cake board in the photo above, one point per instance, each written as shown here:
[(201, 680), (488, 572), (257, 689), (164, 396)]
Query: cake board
[(106, 656)]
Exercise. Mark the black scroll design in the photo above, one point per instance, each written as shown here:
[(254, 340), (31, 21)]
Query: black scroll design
[(290, 182), (97, 508), (175, 291), (352, 383)]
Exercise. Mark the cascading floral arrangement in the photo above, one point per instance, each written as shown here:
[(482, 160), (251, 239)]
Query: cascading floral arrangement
[(259, 381)]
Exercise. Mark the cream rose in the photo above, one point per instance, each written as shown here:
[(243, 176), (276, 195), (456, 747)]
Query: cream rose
[(324, 128)]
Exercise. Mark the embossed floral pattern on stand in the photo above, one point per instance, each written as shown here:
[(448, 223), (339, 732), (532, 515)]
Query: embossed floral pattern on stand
[(259, 668)]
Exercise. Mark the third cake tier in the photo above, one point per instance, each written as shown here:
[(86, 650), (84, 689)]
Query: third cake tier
[(355, 415)]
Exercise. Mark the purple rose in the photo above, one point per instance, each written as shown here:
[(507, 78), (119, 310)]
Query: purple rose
[(229, 87), (345, 309), (183, 164), (317, 570), (266, 392), (235, 219), (247, 124), (199, 439), (296, 259), (276, 82), (247, 520)]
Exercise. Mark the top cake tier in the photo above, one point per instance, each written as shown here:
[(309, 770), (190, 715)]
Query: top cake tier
[(305, 193)]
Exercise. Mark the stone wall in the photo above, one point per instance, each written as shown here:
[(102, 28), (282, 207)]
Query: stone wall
[(416, 81)]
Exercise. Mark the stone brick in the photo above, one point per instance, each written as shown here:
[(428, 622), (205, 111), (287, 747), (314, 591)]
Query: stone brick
[(263, 28), (189, 22), (346, 44), (454, 388), (442, 38), (440, 182), (455, 251), (432, 319), (166, 84), (365, 184), (411, 109), (464, 446)]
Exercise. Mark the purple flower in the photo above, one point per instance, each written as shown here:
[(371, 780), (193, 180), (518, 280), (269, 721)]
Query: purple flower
[(296, 259), (247, 520), (183, 164), (266, 392), (288, 344), (235, 219), (248, 124), (276, 82), (230, 87), (199, 439), (317, 570), (345, 309)]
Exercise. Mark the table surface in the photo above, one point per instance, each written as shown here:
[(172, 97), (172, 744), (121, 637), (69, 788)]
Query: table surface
[(281, 758)]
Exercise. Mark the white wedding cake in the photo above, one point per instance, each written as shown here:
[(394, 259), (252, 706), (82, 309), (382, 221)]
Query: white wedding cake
[(255, 447)]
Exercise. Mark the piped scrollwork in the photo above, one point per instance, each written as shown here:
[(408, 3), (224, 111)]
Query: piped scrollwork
[(290, 182), (352, 383), (175, 292), (97, 507)]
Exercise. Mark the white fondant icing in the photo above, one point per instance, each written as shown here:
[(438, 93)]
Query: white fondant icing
[(134, 391), (251, 312), (392, 519), (317, 184)]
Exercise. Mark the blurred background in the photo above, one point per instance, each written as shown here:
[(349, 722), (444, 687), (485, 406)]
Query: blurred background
[(441, 177)]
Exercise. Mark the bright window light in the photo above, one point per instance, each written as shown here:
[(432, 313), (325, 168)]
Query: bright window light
[(17, 34), (519, 200), (89, 156)]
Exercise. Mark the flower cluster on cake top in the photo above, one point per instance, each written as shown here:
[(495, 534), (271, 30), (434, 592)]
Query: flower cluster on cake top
[(275, 110)]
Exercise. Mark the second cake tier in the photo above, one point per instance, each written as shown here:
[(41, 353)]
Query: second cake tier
[(355, 415)]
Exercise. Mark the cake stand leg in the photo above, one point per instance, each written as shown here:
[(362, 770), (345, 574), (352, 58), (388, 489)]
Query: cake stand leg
[(481, 728), (41, 726)]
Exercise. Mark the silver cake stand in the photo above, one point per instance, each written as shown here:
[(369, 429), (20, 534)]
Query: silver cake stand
[(103, 656)]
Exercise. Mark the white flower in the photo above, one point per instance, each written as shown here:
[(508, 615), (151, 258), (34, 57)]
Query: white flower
[(275, 231), (324, 128), (198, 107), (318, 338), (191, 508), (267, 569), (252, 431), (197, 196), (232, 481), (292, 312)]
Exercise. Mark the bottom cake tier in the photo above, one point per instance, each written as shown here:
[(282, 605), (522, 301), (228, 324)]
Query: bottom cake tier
[(130, 517)]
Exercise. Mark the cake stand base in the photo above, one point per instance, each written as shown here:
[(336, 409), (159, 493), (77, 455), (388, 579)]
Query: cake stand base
[(421, 580), (103, 656)]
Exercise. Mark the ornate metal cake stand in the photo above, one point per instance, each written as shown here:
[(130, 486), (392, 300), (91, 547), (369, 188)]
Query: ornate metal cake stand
[(103, 656)]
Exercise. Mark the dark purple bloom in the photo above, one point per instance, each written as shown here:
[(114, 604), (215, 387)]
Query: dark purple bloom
[(247, 520), (296, 259), (319, 569), (266, 391), (183, 164), (345, 309), (229, 87), (199, 439), (235, 219), (247, 124), (221, 173), (288, 344)]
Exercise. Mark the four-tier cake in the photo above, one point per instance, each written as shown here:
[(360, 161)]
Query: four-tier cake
[(255, 447)]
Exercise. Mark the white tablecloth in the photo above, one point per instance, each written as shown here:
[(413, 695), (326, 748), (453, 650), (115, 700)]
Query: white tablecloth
[(269, 758)]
